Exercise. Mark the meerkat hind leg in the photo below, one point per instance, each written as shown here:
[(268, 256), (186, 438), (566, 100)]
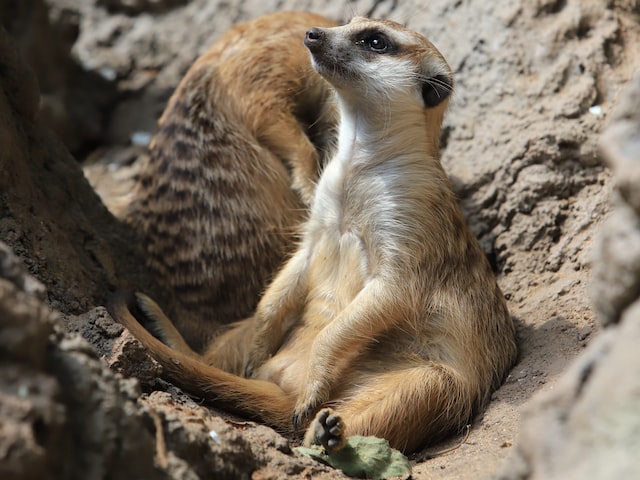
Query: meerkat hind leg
[(327, 430), (229, 351), (409, 407)]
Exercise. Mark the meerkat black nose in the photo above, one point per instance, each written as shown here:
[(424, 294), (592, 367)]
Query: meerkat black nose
[(313, 38)]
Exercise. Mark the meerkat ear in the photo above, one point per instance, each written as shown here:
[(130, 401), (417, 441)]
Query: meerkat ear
[(435, 90)]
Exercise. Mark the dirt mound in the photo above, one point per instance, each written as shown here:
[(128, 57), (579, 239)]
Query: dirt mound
[(536, 84)]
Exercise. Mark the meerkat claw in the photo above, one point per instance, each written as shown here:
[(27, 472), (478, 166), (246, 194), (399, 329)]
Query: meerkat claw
[(301, 418)]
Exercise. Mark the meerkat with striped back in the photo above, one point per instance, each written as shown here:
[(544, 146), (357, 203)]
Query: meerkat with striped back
[(231, 171)]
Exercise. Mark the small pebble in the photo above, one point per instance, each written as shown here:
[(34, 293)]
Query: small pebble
[(595, 110), (141, 139), (215, 437)]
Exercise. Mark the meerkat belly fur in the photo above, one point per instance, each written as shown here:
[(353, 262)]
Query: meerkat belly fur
[(232, 169), (387, 320)]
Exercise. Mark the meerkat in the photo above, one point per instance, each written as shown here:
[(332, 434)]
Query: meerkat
[(387, 320), (232, 169)]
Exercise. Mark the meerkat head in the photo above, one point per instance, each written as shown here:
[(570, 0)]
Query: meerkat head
[(380, 58)]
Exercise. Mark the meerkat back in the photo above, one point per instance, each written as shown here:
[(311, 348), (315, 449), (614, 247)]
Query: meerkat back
[(231, 168)]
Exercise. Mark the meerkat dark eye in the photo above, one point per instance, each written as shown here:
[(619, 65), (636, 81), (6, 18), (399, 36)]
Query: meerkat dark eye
[(378, 43), (375, 42)]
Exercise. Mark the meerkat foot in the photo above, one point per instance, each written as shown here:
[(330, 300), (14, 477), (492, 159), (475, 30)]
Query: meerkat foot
[(326, 429)]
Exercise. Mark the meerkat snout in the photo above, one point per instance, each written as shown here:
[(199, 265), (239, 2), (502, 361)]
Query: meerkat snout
[(313, 38)]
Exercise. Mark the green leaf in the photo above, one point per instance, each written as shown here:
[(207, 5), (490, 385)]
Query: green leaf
[(364, 457)]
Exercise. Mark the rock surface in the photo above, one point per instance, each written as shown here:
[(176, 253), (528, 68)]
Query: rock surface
[(74, 102), (589, 425), (536, 83), (64, 415)]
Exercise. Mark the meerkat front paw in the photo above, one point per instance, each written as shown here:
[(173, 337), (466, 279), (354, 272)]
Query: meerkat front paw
[(327, 429), (302, 415), (308, 404)]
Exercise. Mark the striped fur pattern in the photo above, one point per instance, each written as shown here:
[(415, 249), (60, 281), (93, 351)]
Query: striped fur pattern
[(232, 169)]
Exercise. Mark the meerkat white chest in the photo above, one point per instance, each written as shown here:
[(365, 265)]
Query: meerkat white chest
[(387, 82), (340, 260)]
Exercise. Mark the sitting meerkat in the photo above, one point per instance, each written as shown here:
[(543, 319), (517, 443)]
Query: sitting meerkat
[(387, 320)]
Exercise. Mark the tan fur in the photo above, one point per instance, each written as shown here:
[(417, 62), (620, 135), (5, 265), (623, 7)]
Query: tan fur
[(214, 204), (388, 313)]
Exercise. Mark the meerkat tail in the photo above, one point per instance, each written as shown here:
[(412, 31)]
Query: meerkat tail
[(161, 327), (260, 400)]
